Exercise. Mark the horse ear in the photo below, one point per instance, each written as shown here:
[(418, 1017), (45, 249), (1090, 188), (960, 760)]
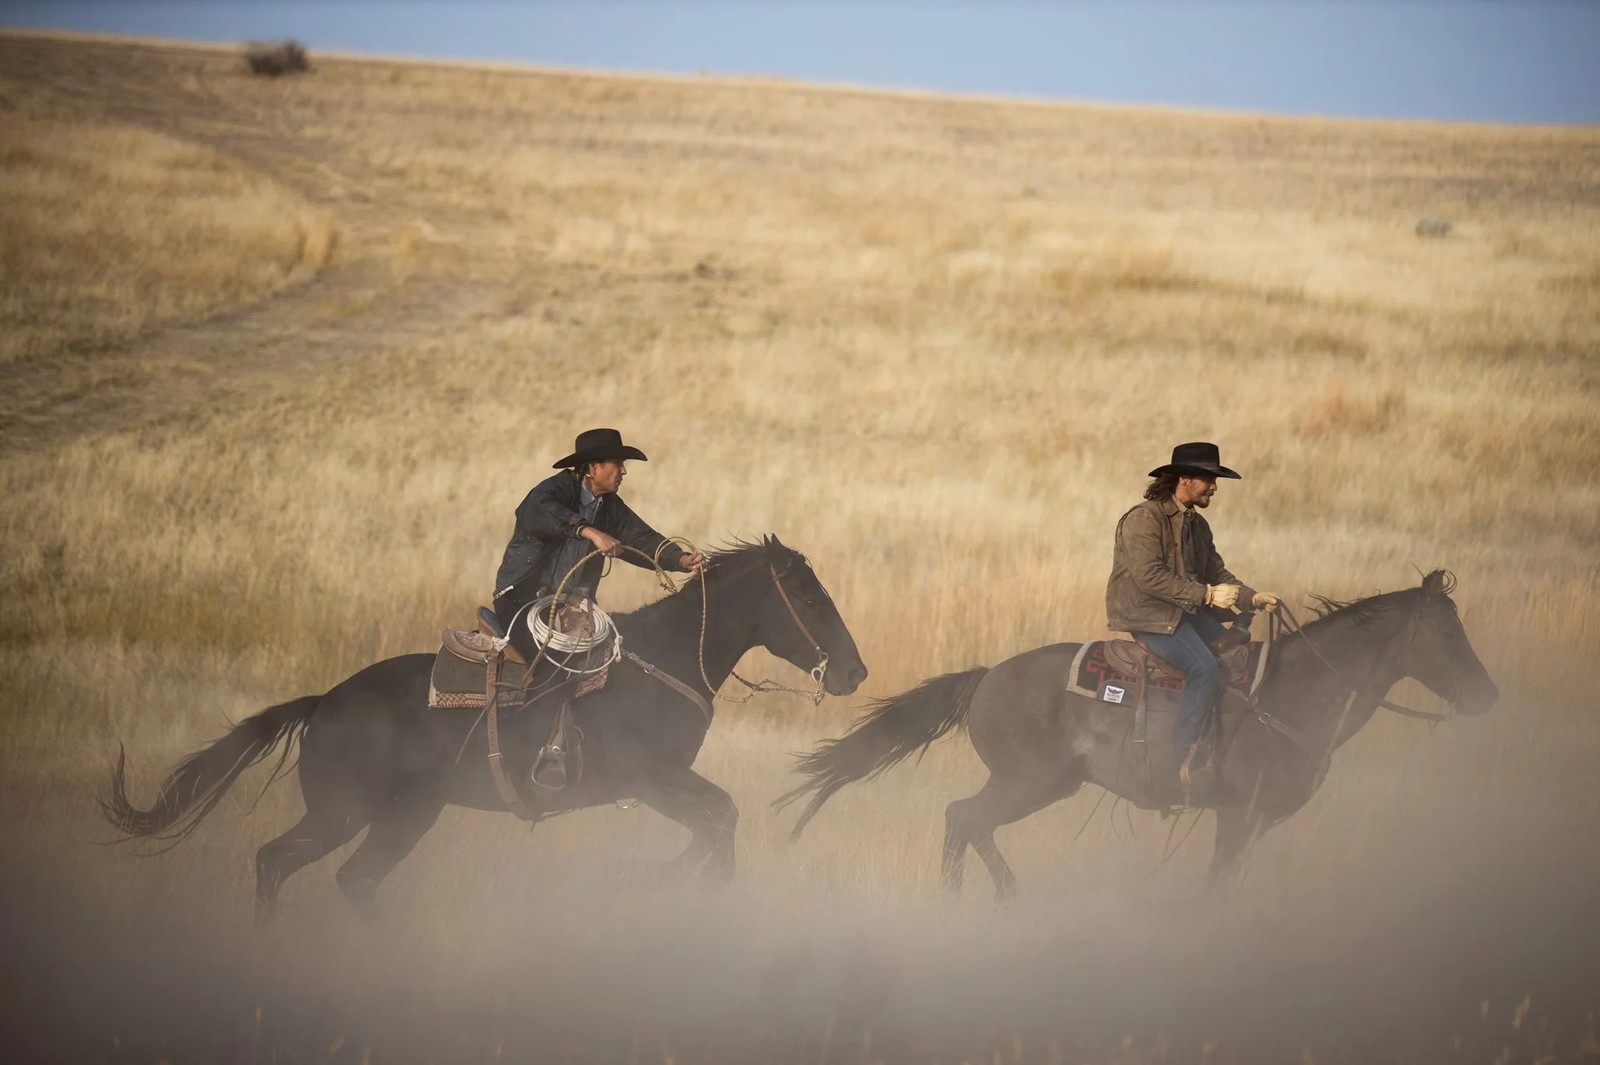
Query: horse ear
[(1436, 584)]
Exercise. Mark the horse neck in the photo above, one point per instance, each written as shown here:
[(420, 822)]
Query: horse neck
[(669, 630), (1319, 700)]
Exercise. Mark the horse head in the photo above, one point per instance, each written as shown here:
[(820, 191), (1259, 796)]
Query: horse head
[(1439, 654), (798, 622)]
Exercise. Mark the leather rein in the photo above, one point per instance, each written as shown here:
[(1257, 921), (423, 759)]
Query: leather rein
[(819, 672), (1323, 758), (1292, 625)]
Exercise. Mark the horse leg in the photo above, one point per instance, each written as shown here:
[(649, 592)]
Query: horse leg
[(1237, 828), (393, 835), (957, 836), (706, 811), (999, 802), (315, 836)]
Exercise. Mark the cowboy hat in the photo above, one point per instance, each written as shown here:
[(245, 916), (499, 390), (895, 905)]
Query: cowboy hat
[(599, 445), (1198, 459)]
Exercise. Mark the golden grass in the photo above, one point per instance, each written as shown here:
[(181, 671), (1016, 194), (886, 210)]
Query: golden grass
[(107, 231), (933, 343)]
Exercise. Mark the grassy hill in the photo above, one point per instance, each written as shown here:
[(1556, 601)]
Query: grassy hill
[(281, 357)]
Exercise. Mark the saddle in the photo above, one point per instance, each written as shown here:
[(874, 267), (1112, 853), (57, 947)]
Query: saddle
[(1133, 659), (481, 670), (1121, 671)]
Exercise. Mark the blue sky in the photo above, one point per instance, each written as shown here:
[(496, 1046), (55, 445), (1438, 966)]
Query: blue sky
[(1485, 60)]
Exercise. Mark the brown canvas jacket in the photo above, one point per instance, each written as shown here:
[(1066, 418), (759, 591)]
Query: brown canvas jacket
[(1149, 590)]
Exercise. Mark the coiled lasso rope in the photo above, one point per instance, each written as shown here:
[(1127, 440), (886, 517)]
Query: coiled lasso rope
[(550, 639)]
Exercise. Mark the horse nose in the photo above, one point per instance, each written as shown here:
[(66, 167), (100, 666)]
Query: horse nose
[(856, 676), (1478, 698), (1489, 694)]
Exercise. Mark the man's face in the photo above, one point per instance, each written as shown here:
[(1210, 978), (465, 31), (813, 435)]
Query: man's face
[(606, 477), (1196, 491)]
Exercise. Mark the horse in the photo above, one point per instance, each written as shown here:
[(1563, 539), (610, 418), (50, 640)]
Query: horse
[(1041, 743), (374, 756)]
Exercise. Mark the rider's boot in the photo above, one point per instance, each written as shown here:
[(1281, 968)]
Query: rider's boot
[(1198, 774), (550, 767)]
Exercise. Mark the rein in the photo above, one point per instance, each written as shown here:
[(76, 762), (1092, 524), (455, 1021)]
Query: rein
[(819, 672), (550, 638), (1291, 624)]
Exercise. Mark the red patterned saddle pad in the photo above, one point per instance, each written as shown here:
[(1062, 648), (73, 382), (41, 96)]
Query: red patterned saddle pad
[(1093, 673)]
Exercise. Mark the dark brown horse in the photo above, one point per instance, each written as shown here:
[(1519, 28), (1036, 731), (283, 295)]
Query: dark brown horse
[(1042, 742), (373, 754)]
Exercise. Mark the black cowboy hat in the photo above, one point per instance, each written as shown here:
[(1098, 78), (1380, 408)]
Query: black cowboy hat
[(599, 445), (1199, 459)]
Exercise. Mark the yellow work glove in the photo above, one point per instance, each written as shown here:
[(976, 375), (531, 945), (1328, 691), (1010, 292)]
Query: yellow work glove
[(1265, 601), (1225, 596)]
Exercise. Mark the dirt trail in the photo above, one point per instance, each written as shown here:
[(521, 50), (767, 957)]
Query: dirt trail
[(362, 304)]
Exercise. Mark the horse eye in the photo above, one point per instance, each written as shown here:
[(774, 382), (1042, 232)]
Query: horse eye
[(811, 602)]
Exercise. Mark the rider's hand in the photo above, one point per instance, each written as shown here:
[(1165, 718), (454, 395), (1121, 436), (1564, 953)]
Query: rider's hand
[(692, 563), (603, 542), (1225, 596), (1265, 601)]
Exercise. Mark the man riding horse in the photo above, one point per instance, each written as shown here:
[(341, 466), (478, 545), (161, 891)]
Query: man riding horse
[(1169, 587), (572, 514)]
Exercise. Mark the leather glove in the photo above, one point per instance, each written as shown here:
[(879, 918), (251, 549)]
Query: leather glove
[(1265, 601), (1225, 596)]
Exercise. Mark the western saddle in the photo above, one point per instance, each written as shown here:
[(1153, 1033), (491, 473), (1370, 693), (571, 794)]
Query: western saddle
[(1132, 658)]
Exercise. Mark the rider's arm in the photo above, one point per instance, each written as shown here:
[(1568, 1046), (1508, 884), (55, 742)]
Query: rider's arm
[(1217, 573), (1139, 539), (633, 531), (548, 513)]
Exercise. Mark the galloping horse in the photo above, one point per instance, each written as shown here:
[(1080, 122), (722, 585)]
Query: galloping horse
[(1042, 742), (373, 753)]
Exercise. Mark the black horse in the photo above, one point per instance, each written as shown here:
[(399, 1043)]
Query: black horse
[(1042, 742), (373, 753)]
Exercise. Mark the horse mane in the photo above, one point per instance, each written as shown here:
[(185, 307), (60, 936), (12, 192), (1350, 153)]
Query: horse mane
[(733, 557), (1370, 611), (740, 553)]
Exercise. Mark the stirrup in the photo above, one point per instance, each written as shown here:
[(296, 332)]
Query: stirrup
[(550, 768), (1198, 775)]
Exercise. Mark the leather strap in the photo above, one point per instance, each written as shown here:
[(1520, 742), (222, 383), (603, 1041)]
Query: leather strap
[(497, 771), (1320, 759), (1292, 624), (815, 646), (673, 682)]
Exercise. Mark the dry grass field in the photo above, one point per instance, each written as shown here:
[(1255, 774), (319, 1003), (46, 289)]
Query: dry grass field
[(280, 358)]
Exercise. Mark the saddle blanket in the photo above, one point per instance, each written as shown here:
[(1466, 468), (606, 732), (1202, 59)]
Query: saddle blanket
[(459, 684), (1094, 677)]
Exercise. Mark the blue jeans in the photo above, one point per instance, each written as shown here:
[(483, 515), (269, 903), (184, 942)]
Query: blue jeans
[(1186, 648)]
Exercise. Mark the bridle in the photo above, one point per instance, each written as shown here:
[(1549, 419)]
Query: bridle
[(1292, 625), (819, 672)]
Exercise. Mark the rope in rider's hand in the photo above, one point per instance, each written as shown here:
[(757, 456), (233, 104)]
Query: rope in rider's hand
[(684, 544)]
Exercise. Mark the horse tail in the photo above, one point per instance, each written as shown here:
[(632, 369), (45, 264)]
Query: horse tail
[(196, 785), (888, 733)]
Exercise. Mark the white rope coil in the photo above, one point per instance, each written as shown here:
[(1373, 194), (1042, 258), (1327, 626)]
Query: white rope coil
[(552, 641)]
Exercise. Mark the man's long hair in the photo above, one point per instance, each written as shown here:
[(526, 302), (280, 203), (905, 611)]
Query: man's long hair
[(1161, 487)]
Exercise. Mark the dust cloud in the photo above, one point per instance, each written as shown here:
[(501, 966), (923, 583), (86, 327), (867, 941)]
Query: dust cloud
[(1468, 934)]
